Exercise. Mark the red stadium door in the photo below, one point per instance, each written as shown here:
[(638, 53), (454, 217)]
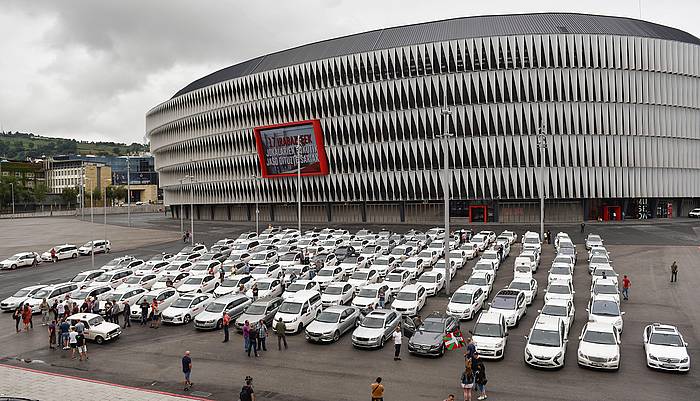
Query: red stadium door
[(477, 214), (612, 213)]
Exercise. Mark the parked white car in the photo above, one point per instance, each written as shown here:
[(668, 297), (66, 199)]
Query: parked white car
[(414, 265), (470, 250), (562, 309), (328, 275), (198, 284), (593, 240), (100, 246), (363, 277), (212, 317), (511, 304), (300, 285), (301, 272), (560, 272), (528, 287), (66, 251), (480, 242), (95, 327), (527, 260), (113, 277), (338, 293), (368, 296), (490, 335), (546, 344), (129, 295), (205, 267), (232, 285), (491, 256), (21, 259), (385, 264), (466, 302), (397, 279), (267, 287), (186, 308), (146, 281), (164, 281), (483, 280), (263, 271), (410, 300), (432, 281), (665, 348), (522, 272), (607, 288), (164, 296), (605, 309), (440, 266), (559, 289), (83, 279), (19, 297), (299, 310), (599, 346)]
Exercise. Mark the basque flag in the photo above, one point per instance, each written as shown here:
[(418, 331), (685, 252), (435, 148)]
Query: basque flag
[(453, 340)]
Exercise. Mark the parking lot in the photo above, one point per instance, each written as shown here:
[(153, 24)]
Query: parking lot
[(149, 358)]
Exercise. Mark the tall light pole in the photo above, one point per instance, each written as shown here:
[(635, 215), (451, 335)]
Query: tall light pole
[(542, 145), (92, 222), (299, 182), (182, 221), (191, 178), (446, 113), (128, 191), (82, 190), (257, 208), (12, 187)]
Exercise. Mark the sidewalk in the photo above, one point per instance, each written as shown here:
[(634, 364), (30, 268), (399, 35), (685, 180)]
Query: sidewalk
[(37, 385)]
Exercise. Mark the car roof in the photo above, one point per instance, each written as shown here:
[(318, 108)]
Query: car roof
[(666, 328), (159, 291), (411, 288), (83, 316), (228, 298), (490, 317), (266, 301), (603, 327), (605, 297), (604, 281), (436, 316), (337, 308), (546, 322), (380, 313), (303, 295), (267, 279), (557, 302), (508, 293), (478, 273), (468, 288)]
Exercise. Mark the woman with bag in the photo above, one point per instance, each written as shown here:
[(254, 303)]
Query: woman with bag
[(480, 377), (467, 381)]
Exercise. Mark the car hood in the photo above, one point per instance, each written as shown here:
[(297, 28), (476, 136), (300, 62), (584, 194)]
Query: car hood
[(286, 317), (205, 316), (221, 290), (13, 300), (251, 318), (667, 352), (175, 311), (505, 312), (404, 304), (604, 319), (319, 327), (323, 279), (488, 342), (598, 350), (540, 351), (364, 301), (104, 328), (367, 332), (457, 307), (7, 262), (327, 297), (189, 287), (426, 338), (358, 283)]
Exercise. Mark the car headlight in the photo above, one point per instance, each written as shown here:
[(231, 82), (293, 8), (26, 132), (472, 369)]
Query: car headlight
[(684, 360), (527, 352), (652, 357), (581, 355), (499, 344), (558, 355)]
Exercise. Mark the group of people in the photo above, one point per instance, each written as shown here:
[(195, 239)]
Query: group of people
[(62, 334), (474, 375), (254, 337)]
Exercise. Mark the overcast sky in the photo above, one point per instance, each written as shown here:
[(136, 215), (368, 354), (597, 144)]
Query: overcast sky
[(91, 69)]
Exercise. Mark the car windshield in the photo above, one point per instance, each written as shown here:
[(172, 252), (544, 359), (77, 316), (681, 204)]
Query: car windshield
[(372, 322), (326, 272), (334, 290), (427, 279), (531, 240), (554, 310), (215, 307), (290, 307), (117, 296), (607, 272), (483, 266), (523, 269), (467, 247), (398, 251), (488, 330), (328, 317), (259, 270), (406, 296), (426, 254), (599, 337), (489, 256), (181, 258), (112, 263), (432, 326), (148, 298), (559, 289), (381, 262), (231, 282), (294, 287), (194, 280), (562, 271), (599, 259), (519, 285), (95, 321), (593, 238), (260, 256), (478, 238), (21, 293), (360, 275), (288, 257), (394, 278), (409, 264), (173, 267), (605, 308), (350, 259), (240, 247), (500, 302), (182, 303), (462, 298), (455, 255), (79, 278), (477, 281), (264, 286), (13, 257), (562, 259), (604, 289), (545, 338), (104, 278), (200, 266), (255, 310), (367, 293), (669, 339)]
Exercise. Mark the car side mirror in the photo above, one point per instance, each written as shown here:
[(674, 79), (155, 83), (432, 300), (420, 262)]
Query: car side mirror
[(527, 337), (539, 310), (580, 338), (588, 310), (471, 332), (622, 313)]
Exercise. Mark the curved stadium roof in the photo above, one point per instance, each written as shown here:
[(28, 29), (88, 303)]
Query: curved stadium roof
[(451, 29)]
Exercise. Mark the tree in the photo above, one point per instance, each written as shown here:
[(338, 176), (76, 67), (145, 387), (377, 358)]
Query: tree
[(96, 195), (120, 192), (40, 191), (69, 195)]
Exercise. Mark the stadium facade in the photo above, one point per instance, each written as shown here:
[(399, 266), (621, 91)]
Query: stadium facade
[(616, 99)]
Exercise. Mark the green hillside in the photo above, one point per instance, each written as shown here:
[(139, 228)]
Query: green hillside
[(19, 146)]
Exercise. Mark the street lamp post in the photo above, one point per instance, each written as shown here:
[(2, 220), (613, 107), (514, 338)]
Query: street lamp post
[(92, 222), (542, 145), (182, 222), (128, 191), (82, 190), (191, 178), (446, 113), (257, 208), (12, 187), (299, 182)]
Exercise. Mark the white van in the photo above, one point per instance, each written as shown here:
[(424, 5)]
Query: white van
[(55, 292), (299, 310), (114, 278)]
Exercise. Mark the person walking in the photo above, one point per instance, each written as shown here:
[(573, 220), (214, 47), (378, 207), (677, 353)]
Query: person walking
[(674, 272), (65, 337), (53, 255), (44, 307), (382, 298), (17, 315), (255, 292), (480, 376), (187, 370), (280, 328), (225, 322), (144, 312), (73, 342), (52, 334), (82, 347), (397, 343), (115, 312), (262, 335), (377, 390), (247, 393), (26, 316), (583, 227), (626, 284), (467, 381), (246, 336), (253, 340), (127, 315)]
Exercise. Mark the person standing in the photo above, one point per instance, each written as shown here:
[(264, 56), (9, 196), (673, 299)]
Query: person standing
[(44, 312), (247, 393), (115, 312), (65, 329), (262, 335), (144, 312), (187, 370), (73, 342), (626, 284), (382, 298), (246, 336), (54, 309), (674, 272), (108, 311), (377, 390), (255, 292), (52, 334), (17, 315), (53, 255), (155, 314), (222, 274), (467, 381), (82, 348), (397, 343), (280, 328), (127, 314), (79, 327), (583, 227), (26, 316), (470, 351), (225, 322), (480, 376), (253, 340)]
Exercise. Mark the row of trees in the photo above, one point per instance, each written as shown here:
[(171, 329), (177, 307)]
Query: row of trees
[(113, 194), (22, 194), (38, 194)]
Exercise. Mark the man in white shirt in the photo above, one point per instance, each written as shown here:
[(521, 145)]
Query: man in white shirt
[(397, 343)]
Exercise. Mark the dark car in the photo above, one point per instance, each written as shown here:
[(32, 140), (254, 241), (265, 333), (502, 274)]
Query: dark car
[(265, 309), (427, 339), (212, 256), (344, 251)]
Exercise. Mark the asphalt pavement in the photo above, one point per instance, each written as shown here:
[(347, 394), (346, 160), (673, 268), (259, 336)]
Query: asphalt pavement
[(149, 358)]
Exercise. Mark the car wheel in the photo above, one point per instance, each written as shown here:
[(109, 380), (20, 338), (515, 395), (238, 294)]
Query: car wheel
[(219, 324), (381, 342), (13, 267), (442, 350), (99, 340), (199, 291), (187, 319), (300, 328), (336, 336), (75, 255)]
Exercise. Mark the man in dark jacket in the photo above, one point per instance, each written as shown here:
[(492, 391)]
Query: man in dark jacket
[(479, 375), (127, 314), (280, 328)]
